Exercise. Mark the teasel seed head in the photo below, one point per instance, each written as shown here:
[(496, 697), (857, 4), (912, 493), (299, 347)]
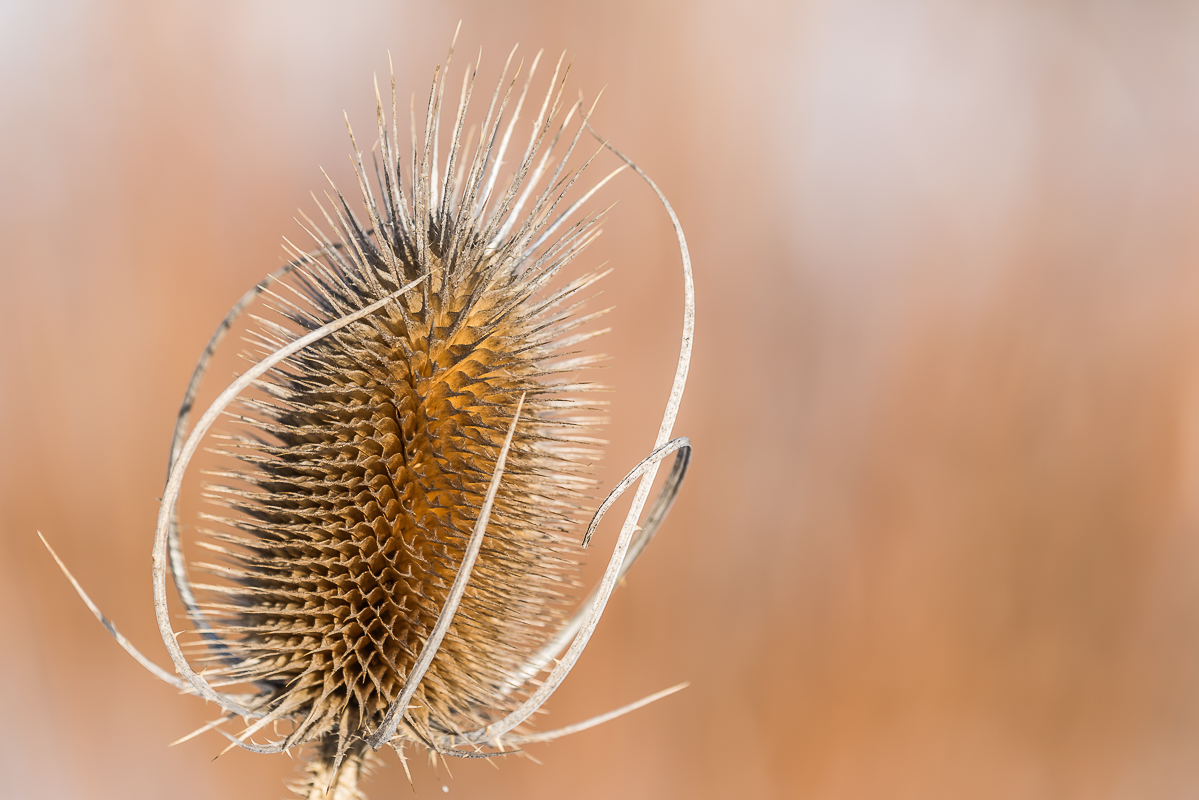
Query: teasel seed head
[(414, 457)]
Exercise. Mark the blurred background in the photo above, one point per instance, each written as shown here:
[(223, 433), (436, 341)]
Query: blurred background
[(941, 537)]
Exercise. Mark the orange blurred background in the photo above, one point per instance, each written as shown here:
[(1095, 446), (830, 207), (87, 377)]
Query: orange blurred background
[(941, 537)]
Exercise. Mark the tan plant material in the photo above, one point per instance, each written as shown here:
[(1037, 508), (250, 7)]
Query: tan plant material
[(403, 525)]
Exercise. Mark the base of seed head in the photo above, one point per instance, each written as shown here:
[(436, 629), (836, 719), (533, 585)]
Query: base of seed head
[(403, 526)]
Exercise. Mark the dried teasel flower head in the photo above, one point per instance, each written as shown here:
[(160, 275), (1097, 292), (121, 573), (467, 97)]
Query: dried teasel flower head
[(406, 509)]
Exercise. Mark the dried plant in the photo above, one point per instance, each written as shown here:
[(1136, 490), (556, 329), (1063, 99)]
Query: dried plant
[(400, 530)]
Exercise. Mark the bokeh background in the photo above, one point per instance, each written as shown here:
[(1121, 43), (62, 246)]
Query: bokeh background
[(941, 538)]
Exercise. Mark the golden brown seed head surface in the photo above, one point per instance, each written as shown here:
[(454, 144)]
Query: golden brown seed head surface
[(377, 450)]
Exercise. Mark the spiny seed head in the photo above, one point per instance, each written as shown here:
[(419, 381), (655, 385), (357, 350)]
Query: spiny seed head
[(373, 449), (413, 453), (374, 455)]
